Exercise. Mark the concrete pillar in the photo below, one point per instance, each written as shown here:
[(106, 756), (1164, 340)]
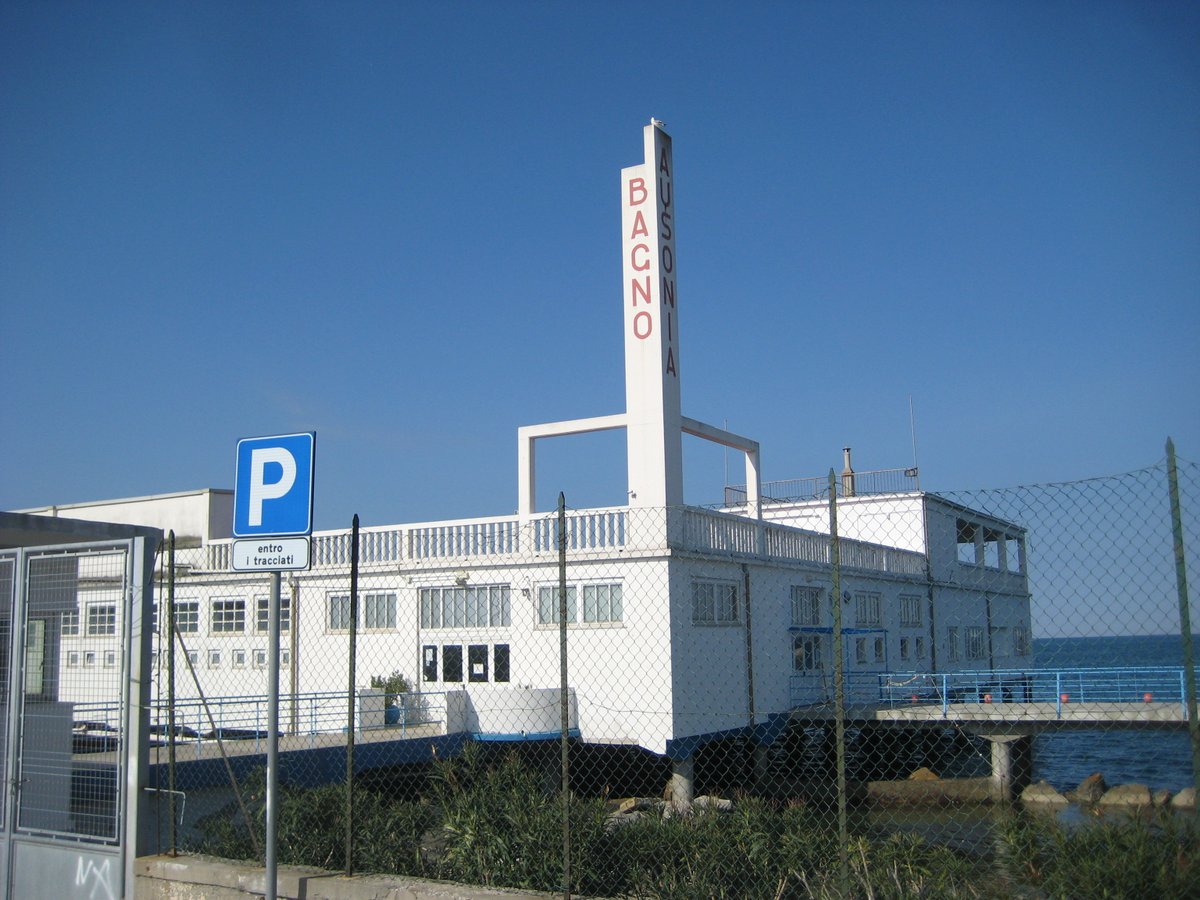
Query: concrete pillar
[(1004, 778), (683, 783), (762, 764)]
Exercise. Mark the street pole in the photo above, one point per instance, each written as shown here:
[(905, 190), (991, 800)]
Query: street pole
[(272, 737)]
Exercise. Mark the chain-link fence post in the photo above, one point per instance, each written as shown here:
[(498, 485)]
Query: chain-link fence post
[(563, 699), (351, 695), (839, 685), (1185, 619), (172, 837)]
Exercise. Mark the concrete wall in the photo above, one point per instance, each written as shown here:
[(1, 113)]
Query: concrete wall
[(198, 878)]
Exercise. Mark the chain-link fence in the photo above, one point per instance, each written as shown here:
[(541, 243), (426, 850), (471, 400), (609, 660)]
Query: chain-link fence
[(968, 694)]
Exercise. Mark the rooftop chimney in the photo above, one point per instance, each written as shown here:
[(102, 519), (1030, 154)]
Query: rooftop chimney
[(847, 474)]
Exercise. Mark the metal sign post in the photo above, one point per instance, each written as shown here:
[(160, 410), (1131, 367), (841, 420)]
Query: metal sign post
[(272, 514)]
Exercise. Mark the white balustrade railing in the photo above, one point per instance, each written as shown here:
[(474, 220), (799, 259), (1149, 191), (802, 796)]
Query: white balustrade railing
[(591, 531), (588, 529)]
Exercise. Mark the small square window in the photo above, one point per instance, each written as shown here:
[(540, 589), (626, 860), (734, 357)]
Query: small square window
[(214, 659), (101, 619), (110, 659), (238, 659), (89, 658), (260, 659), (715, 603), (73, 659)]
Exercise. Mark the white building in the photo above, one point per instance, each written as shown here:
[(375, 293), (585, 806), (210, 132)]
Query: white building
[(685, 623)]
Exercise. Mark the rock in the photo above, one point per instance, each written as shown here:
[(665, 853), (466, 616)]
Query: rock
[(620, 820), (1126, 795), (709, 802), (1043, 794), (923, 774), (637, 804), (1090, 789), (1161, 798), (1185, 799)]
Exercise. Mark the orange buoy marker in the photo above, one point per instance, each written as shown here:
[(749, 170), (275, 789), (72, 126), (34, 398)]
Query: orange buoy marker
[(1147, 697), (1065, 698)]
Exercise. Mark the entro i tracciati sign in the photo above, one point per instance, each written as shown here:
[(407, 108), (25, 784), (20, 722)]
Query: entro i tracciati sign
[(273, 502)]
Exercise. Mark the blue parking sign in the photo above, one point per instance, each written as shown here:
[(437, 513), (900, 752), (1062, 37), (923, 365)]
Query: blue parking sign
[(273, 485)]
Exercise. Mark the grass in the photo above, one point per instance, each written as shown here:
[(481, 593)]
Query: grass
[(489, 821)]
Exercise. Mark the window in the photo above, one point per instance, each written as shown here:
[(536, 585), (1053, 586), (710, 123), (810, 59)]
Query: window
[(339, 612), (285, 658), (991, 548), (806, 653), (548, 604), (904, 648), (228, 617), (500, 658), (89, 658), (238, 659), (214, 659), (868, 608), (714, 603), (920, 648), (379, 611), (187, 616), (880, 653), (452, 662), (602, 603), (975, 642), (154, 617), (806, 606), (110, 659), (193, 657), (429, 662), (910, 611), (966, 532), (952, 650), (73, 659), (477, 662), (260, 659), (1013, 552), (70, 623), (1020, 640), (101, 619), (263, 610), (860, 650), (482, 606)]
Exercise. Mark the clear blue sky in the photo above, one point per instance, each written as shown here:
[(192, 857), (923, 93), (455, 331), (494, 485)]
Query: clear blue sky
[(397, 225)]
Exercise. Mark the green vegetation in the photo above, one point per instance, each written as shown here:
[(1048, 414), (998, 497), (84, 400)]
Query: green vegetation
[(391, 685), (491, 822), (1131, 857)]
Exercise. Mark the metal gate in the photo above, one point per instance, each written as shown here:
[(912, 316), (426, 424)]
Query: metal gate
[(70, 725)]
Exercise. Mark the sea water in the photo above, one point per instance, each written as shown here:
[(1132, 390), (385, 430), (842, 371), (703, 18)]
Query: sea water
[(1156, 758)]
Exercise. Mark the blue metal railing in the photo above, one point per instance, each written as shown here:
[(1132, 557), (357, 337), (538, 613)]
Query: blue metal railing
[(1062, 687), (245, 718)]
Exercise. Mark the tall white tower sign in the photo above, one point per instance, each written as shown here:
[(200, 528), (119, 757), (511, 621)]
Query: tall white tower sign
[(652, 403)]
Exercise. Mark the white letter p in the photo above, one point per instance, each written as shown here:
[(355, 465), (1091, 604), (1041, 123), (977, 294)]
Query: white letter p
[(260, 490)]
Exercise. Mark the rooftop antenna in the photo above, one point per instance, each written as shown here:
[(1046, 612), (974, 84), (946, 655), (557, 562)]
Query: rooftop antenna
[(915, 471), (726, 448)]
